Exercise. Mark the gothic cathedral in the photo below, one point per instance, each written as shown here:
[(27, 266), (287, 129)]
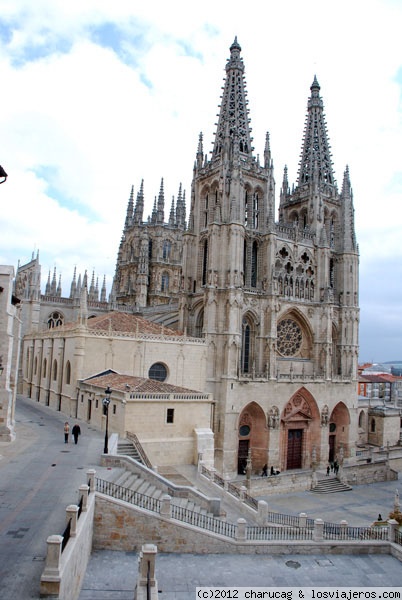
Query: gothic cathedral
[(277, 301), (274, 301)]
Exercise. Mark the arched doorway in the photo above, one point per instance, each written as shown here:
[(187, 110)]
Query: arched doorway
[(252, 437), (300, 431), (338, 432)]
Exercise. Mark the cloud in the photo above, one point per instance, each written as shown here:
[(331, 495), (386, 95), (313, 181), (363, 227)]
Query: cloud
[(98, 96)]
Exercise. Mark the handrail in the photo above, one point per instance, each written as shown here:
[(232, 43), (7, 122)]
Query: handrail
[(289, 531), (137, 445)]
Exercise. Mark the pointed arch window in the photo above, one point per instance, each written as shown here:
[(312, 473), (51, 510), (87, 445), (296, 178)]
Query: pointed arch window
[(44, 367), (55, 320), (150, 249), (199, 324), (255, 211), (246, 209), (206, 211), (247, 346), (165, 282), (167, 247), (55, 370), (204, 262), (254, 264), (68, 372)]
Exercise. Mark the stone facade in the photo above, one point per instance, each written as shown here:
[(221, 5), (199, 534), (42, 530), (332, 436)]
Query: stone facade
[(267, 310), (10, 340)]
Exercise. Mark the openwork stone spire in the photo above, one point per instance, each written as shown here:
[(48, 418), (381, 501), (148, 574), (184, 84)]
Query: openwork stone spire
[(233, 116), (315, 160)]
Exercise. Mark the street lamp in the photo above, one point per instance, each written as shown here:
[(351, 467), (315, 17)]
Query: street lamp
[(3, 174), (106, 402)]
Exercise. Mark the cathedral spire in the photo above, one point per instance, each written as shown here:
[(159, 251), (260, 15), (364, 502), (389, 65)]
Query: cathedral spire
[(348, 225), (315, 154), (200, 152), (48, 287), (129, 214), (58, 291), (181, 209), (139, 205), (73, 287), (160, 216), (53, 288), (103, 290), (172, 213), (233, 117)]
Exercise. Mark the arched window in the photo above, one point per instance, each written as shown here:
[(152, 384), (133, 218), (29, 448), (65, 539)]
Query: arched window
[(255, 211), (206, 211), (35, 365), (55, 320), (199, 325), (246, 209), (247, 346), (158, 372), (165, 282), (55, 370), (150, 249), (254, 264), (167, 246), (68, 372), (361, 420), (372, 426), (204, 262), (44, 367)]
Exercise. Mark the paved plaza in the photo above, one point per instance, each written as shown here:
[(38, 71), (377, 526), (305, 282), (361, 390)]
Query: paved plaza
[(40, 476)]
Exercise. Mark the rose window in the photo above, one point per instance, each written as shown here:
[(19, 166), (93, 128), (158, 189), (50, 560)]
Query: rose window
[(290, 337)]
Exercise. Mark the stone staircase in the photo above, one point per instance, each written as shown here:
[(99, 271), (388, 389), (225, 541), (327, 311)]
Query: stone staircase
[(330, 485), (133, 481), (127, 448)]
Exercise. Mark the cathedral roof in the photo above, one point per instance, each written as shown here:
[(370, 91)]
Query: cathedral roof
[(123, 322), (129, 383)]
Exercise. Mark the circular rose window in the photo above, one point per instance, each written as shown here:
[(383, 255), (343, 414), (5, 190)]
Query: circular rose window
[(290, 337)]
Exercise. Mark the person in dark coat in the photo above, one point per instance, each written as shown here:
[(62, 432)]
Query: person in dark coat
[(76, 431)]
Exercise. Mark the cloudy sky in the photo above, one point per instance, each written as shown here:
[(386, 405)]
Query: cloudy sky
[(99, 94)]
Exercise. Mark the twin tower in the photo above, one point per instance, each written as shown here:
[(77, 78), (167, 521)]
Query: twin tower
[(276, 298)]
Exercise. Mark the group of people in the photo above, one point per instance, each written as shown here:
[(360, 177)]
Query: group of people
[(333, 467), (265, 471), (75, 432)]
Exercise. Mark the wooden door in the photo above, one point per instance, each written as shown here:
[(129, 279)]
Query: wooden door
[(294, 456), (242, 456)]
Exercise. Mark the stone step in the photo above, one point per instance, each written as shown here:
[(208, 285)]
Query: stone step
[(330, 486), (134, 482)]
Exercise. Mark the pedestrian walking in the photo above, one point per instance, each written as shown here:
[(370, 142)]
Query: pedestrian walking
[(76, 431), (264, 471), (66, 432), (328, 470)]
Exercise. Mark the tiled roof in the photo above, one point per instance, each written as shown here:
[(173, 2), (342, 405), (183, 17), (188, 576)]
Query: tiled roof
[(125, 383), (118, 321), (379, 378)]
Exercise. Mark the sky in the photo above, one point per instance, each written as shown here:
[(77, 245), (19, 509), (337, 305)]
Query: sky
[(97, 95)]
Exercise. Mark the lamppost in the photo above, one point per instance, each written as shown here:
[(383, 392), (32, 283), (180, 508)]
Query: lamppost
[(106, 402), (3, 174)]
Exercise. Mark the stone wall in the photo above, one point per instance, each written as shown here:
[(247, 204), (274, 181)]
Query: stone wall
[(64, 572), (119, 527)]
